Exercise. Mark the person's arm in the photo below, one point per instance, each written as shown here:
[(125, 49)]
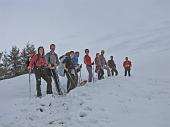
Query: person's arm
[(34, 58), (47, 56), (124, 64), (57, 60), (85, 59)]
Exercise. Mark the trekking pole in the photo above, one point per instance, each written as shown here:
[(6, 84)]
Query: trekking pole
[(80, 76), (72, 80), (93, 72), (56, 82), (30, 83)]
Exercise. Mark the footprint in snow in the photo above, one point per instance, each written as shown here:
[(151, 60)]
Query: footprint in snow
[(88, 108), (83, 114)]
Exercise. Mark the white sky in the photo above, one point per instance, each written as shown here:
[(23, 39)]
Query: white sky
[(74, 24)]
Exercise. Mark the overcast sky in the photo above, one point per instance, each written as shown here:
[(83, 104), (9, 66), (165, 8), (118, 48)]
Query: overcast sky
[(73, 22)]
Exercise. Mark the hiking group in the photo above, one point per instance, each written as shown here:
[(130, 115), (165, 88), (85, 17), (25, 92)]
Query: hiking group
[(49, 66)]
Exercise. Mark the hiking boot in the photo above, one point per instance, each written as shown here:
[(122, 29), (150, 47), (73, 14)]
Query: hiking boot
[(39, 94), (49, 92)]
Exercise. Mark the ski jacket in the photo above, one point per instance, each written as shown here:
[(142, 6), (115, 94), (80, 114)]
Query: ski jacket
[(111, 64), (75, 60), (28, 60), (87, 60), (103, 60), (97, 61), (38, 61), (68, 63), (127, 64), (52, 58), (98, 64)]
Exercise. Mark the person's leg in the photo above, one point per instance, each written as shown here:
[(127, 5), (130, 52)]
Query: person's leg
[(47, 77), (98, 74), (116, 72), (70, 82), (89, 69), (108, 70), (56, 80), (101, 73), (38, 82), (76, 77), (112, 71), (129, 72), (125, 72)]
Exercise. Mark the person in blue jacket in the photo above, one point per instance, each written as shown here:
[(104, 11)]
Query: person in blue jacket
[(77, 66)]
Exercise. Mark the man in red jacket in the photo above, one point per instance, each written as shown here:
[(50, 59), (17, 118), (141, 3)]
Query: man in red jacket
[(127, 66), (88, 62), (39, 64)]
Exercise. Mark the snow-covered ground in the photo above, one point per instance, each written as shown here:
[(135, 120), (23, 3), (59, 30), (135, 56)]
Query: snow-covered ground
[(114, 101), (139, 29)]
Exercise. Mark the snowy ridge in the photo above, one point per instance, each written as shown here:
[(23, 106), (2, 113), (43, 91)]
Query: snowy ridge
[(115, 101)]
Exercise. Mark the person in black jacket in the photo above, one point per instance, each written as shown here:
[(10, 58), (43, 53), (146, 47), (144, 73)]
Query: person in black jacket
[(112, 66), (70, 71)]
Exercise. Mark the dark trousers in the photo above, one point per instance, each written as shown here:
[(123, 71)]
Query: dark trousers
[(127, 71), (71, 81), (113, 70), (56, 80), (42, 73), (100, 74), (89, 69)]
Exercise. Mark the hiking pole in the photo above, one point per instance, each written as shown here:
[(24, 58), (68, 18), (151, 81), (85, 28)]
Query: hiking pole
[(72, 80), (80, 76), (30, 83), (93, 72), (56, 82)]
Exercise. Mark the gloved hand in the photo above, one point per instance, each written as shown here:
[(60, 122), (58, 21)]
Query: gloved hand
[(29, 68), (92, 63), (80, 65)]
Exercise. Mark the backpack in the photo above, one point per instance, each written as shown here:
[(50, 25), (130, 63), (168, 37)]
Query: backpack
[(61, 66)]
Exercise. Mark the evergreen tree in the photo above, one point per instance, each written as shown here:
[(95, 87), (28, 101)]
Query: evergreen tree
[(24, 55), (14, 61), (1, 55), (5, 60), (30, 48)]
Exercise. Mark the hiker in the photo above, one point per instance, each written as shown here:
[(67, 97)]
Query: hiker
[(69, 70), (112, 66), (104, 63), (75, 61), (88, 62), (53, 61), (98, 69), (127, 66), (76, 65), (39, 64)]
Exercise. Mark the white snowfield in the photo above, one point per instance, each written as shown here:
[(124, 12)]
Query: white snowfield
[(139, 29), (114, 101)]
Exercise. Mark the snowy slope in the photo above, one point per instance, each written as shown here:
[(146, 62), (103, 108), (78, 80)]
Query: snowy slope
[(111, 102), (139, 29)]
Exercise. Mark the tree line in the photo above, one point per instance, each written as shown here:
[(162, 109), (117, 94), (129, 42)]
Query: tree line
[(14, 63)]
